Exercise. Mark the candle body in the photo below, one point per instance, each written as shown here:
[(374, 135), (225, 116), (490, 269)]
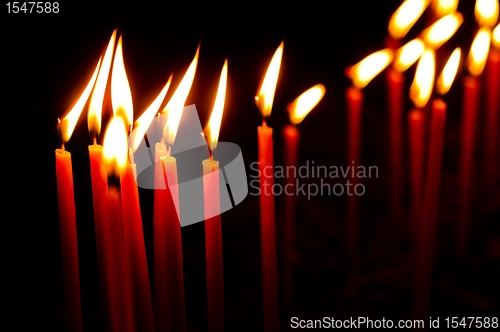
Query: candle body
[(69, 245), (268, 230), (427, 237), (416, 139), (291, 138), (213, 246), (468, 143), (136, 251), (492, 109)]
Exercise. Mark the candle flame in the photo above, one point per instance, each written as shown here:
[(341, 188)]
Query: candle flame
[(175, 106), (496, 36), (121, 96), (442, 30), (68, 123), (216, 116), (407, 55), (142, 124), (405, 17), (444, 7), (449, 72), (486, 12), (95, 108), (479, 52), (364, 71), (265, 97), (115, 149), (304, 103), (421, 88)]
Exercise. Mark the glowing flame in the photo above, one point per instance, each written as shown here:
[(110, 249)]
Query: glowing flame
[(121, 96), (407, 55), (486, 12), (95, 108), (115, 149), (444, 7), (405, 17), (421, 88), (449, 72), (68, 123), (365, 70), (142, 124), (496, 36), (216, 116), (265, 97), (442, 30), (479, 52), (301, 106), (175, 105)]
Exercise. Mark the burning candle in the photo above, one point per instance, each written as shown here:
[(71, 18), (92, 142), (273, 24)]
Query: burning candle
[(361, 74), (67, 213), (403, 20), (264, 102), (442, 8), (442, 30), (297, 110), (471, 85), (213, 229)]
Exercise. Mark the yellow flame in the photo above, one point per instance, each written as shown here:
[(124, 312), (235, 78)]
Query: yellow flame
[(405, 17), (304, 103), (95, 108), (265, 97), (365, 70), (421, 88), (442, 30), (175, 105), (447, 77), (496, 36), (407, 55), (142, 124), (486, 12), (479, 52), (115, 149), (121, 96), (68, 123), (444, 7), (216, 116)]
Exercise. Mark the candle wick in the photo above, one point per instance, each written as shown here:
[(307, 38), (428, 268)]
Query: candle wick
[(264, 123), (168, 151), (94, 139), (210, 155), (62, 147), (59, 134)]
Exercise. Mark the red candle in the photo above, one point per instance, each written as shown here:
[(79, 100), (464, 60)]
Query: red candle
[(416, 138), (264, 101)]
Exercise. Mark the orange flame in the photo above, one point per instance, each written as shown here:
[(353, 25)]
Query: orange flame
[(442, 30), (304, 103), (216, 116), (95, 108), (175, 106), (364, 71), (496, 36), (421, 88), (449, 72), (142, 124), (115, 149), (444, 7), (68, 123), (486, 12), (405, 17), (479, 52), (121, 96), (265, 96), (407, 55)]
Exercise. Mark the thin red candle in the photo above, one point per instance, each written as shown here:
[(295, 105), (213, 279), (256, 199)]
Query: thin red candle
[(416, 139)]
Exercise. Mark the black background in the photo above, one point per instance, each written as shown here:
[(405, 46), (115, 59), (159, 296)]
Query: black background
[(46, 62)]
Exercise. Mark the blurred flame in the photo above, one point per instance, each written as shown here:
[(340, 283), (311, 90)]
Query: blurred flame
[(115, 149), (421, 88), (407, 55), (121, 96), (405, 17), (486, 12), (142, 124), (449, 72), (265, 97), (479, 52), (496, 36), (95, 108), (365, 70), (175, 106), (68, 123), (444, 7), (216, 116), (442, 30), (301, 106)]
